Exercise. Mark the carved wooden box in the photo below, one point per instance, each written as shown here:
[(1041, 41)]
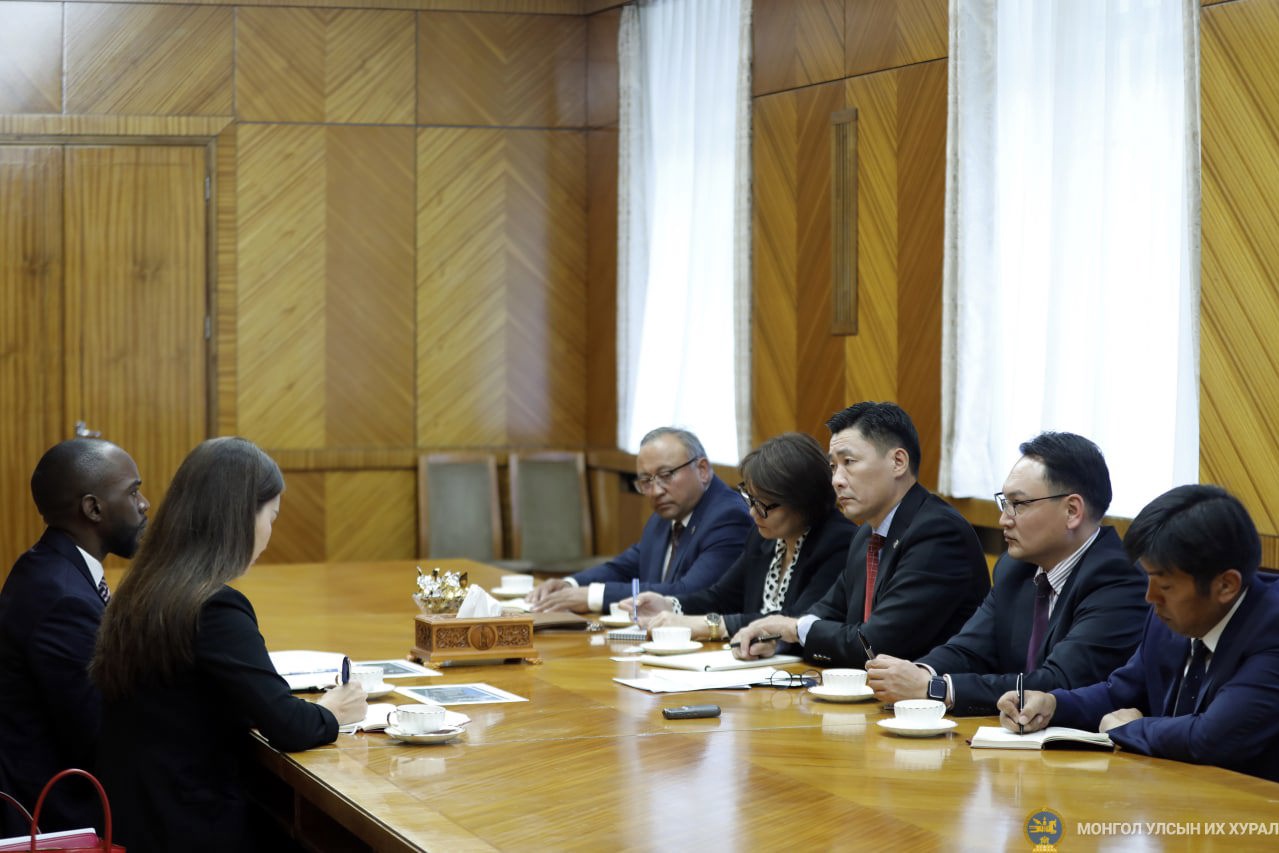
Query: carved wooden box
[(438, 638)]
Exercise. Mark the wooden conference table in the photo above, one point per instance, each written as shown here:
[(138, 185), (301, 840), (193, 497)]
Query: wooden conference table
[(590, 764)]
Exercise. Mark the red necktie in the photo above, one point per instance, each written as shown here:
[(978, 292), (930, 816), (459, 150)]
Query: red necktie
[(872, 569)]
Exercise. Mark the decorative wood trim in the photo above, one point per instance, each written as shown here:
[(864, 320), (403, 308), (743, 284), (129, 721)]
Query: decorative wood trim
[(530, 7), (843, 222), (47, 128)]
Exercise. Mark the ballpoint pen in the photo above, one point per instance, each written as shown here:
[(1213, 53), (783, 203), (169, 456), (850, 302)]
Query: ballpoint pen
[(345, 677), (635, 600), (1021, 701), (861, 638), (767, 638)]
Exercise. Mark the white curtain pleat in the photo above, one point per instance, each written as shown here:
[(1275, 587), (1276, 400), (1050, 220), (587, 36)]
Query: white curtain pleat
[(684, 214), (1071, 273)]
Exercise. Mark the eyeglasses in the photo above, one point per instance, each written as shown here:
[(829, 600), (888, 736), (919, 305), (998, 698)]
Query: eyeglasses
[(782, 680), (644, 484), (1014, 507), (759, 506)]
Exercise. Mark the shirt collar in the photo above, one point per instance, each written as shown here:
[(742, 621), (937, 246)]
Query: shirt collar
[(1060, 573), (887, 523), (1214, 636), (95, 567)]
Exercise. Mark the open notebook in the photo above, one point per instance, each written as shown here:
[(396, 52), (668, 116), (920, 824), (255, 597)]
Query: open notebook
[(1060, 737)]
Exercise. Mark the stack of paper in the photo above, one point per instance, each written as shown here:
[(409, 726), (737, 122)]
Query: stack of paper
[(686, 682)]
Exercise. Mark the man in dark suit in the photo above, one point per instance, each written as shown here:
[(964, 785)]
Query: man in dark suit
[(1066, 607), (88, 492), (1203, 684), (925, 567), (695, 533)]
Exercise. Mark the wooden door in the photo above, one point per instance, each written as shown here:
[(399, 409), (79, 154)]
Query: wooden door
[(115, 334), (30, 333)]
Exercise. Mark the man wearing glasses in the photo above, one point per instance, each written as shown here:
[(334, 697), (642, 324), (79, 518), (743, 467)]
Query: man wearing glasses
[(695, 533), (1067, 604), (915, 569)]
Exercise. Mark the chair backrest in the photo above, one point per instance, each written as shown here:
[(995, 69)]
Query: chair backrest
[(458, 506), (550, 511)]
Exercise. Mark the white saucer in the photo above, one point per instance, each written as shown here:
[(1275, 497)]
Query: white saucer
[(897, 727), (502, 592), (444, 735), (379, 691), (654, 648), (826, 694), (615, 621)]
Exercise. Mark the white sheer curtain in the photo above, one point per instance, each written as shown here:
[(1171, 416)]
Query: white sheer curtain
[(683, 230), (1072, 239)]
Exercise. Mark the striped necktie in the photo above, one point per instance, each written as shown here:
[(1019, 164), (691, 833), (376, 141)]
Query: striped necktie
[(104, 592)]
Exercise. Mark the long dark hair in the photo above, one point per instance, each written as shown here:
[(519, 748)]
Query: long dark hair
[(201, 538)]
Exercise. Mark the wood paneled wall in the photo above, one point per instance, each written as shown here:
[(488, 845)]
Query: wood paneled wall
[(813, 57), (401, 236), (1239, 350)]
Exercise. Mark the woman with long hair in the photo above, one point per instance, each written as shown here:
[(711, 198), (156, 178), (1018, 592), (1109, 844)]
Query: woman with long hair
[(791, 558), (183, 668)]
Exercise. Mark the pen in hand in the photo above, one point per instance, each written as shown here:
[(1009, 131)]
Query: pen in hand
[(767, 638), (1021, 701), (345, 676), (861, 638)]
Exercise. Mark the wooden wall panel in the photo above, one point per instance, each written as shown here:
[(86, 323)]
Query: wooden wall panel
[(280, 307), (298, 534), (921, 193), (883, 34), (136, 289), (601, 68), (326, 286), (148, 59), (461, 322), (1239, 419), (30, 58), (341, 65), (796, 43), (775, 242), (32, 418), (371, 291), (601, 288), (501, 287), (225, 396), (872, 354), (371, 515), (501, 70), (797, 364)]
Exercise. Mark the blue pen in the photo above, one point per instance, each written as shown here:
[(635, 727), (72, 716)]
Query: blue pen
[(346, 670), (635, 599)]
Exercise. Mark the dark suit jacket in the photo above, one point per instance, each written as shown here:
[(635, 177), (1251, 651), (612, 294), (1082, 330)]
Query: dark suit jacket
[(49, 710), (170, 754), (1094, 627), (1235, 724), (739, 594), (932, 575), (710, 544)]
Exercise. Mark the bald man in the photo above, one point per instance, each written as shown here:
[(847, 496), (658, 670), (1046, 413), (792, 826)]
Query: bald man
[(89, 493)]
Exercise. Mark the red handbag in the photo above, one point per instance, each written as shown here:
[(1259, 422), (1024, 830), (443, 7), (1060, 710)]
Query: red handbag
[(79, 839)]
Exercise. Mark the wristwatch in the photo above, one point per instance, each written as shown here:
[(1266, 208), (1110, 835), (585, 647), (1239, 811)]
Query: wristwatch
[(937, 688), (715, 623)]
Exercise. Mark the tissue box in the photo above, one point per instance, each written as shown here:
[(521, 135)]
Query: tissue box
[(439, 638)]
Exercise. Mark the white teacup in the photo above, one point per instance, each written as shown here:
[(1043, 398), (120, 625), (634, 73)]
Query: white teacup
[(517, 583), (919, 712), (672, 635), (844, 680), (369, 677), (417, 719)]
